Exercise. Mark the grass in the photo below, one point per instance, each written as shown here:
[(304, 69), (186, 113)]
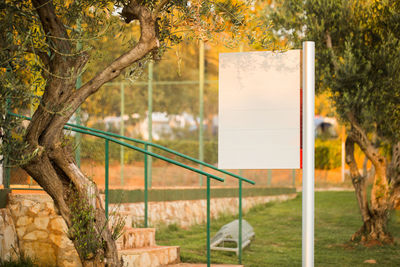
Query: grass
[(278, 235), (21, 261)]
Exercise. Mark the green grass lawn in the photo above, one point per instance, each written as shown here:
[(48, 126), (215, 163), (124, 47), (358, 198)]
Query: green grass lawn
[(278, 235)]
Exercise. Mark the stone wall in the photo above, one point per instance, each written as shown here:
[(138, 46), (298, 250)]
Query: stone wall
[(188, 212), (30, 224), (42, 234), (8, 237)]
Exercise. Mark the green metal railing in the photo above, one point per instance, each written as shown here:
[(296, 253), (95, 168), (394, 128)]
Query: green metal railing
[(107, 136)]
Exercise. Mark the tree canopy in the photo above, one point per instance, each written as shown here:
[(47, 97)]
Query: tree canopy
[(46, 45), (357, 48)]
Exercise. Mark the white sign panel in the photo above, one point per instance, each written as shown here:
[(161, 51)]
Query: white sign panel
[(259, 110)]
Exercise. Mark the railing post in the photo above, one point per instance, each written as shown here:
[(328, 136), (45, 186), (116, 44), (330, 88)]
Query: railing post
[(208, 223), (106, 176), (240, 221), (145, 188), (150, 117)]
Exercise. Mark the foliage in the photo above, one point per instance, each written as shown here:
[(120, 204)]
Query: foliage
[(93, 149), (357, 43), (21, 261), (47, 45), (117, 221), (327, 154), (83, 229), (179, 62)]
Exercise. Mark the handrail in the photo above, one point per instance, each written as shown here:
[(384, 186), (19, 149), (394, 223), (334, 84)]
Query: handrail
[(109, 137), (106, 137), (153, 145), (146, 152)]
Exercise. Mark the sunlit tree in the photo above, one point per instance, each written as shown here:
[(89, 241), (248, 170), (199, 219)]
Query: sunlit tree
[(357, 61), (53, 39)]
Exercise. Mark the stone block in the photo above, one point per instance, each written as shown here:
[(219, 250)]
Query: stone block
[(36, 235), (43, 253), (58, 224), (24, 220), (68, 257), (41, 222), (61, 240), (34, 210), (27, 203), (15, 209), (21, 231), (8, 237)]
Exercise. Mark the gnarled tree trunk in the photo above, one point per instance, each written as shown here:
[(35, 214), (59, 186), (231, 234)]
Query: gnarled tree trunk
[(375, 213), (52, 166)]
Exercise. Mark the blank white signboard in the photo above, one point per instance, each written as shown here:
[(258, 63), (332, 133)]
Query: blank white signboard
[(259, 110)]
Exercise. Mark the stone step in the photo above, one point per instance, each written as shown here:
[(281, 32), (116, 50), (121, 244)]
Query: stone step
[(136, 238), (150, 256), (202, 265)]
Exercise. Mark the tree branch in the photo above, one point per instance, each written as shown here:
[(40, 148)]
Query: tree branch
[(158, 8), (52, 25), (328, 42), (148, 42), (359, 136)]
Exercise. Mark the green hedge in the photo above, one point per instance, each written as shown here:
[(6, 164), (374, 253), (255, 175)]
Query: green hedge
[(156, 195), (94, 149), (327, 153)]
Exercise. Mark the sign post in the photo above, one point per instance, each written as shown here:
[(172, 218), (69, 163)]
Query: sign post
[(308, 153), (259, 119)]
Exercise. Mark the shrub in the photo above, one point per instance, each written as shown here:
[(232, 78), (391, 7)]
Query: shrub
[(327, 154), (93, 149)]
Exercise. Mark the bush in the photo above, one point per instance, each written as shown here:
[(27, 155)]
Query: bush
[(327, 154), (191, 148), (93, 149)]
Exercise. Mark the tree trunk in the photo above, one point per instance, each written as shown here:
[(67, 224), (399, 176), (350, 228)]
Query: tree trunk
[(375, 215), (75, 196), (55, 170), (394, 174)]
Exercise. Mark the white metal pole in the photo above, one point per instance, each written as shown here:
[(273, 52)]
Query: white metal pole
[(308, 153)]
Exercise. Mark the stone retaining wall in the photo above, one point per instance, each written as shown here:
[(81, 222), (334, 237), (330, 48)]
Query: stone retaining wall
[(8, 236), (30, 224), (41, 232), (188, 212)]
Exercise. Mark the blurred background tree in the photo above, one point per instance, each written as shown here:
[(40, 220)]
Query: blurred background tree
[(357, 48)]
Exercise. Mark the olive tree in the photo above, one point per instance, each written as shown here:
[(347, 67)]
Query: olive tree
[(357, 48), (44, 49)]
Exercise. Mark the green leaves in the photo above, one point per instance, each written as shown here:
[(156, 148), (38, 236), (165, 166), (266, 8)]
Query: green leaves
[(82, 230), (356, 47)]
